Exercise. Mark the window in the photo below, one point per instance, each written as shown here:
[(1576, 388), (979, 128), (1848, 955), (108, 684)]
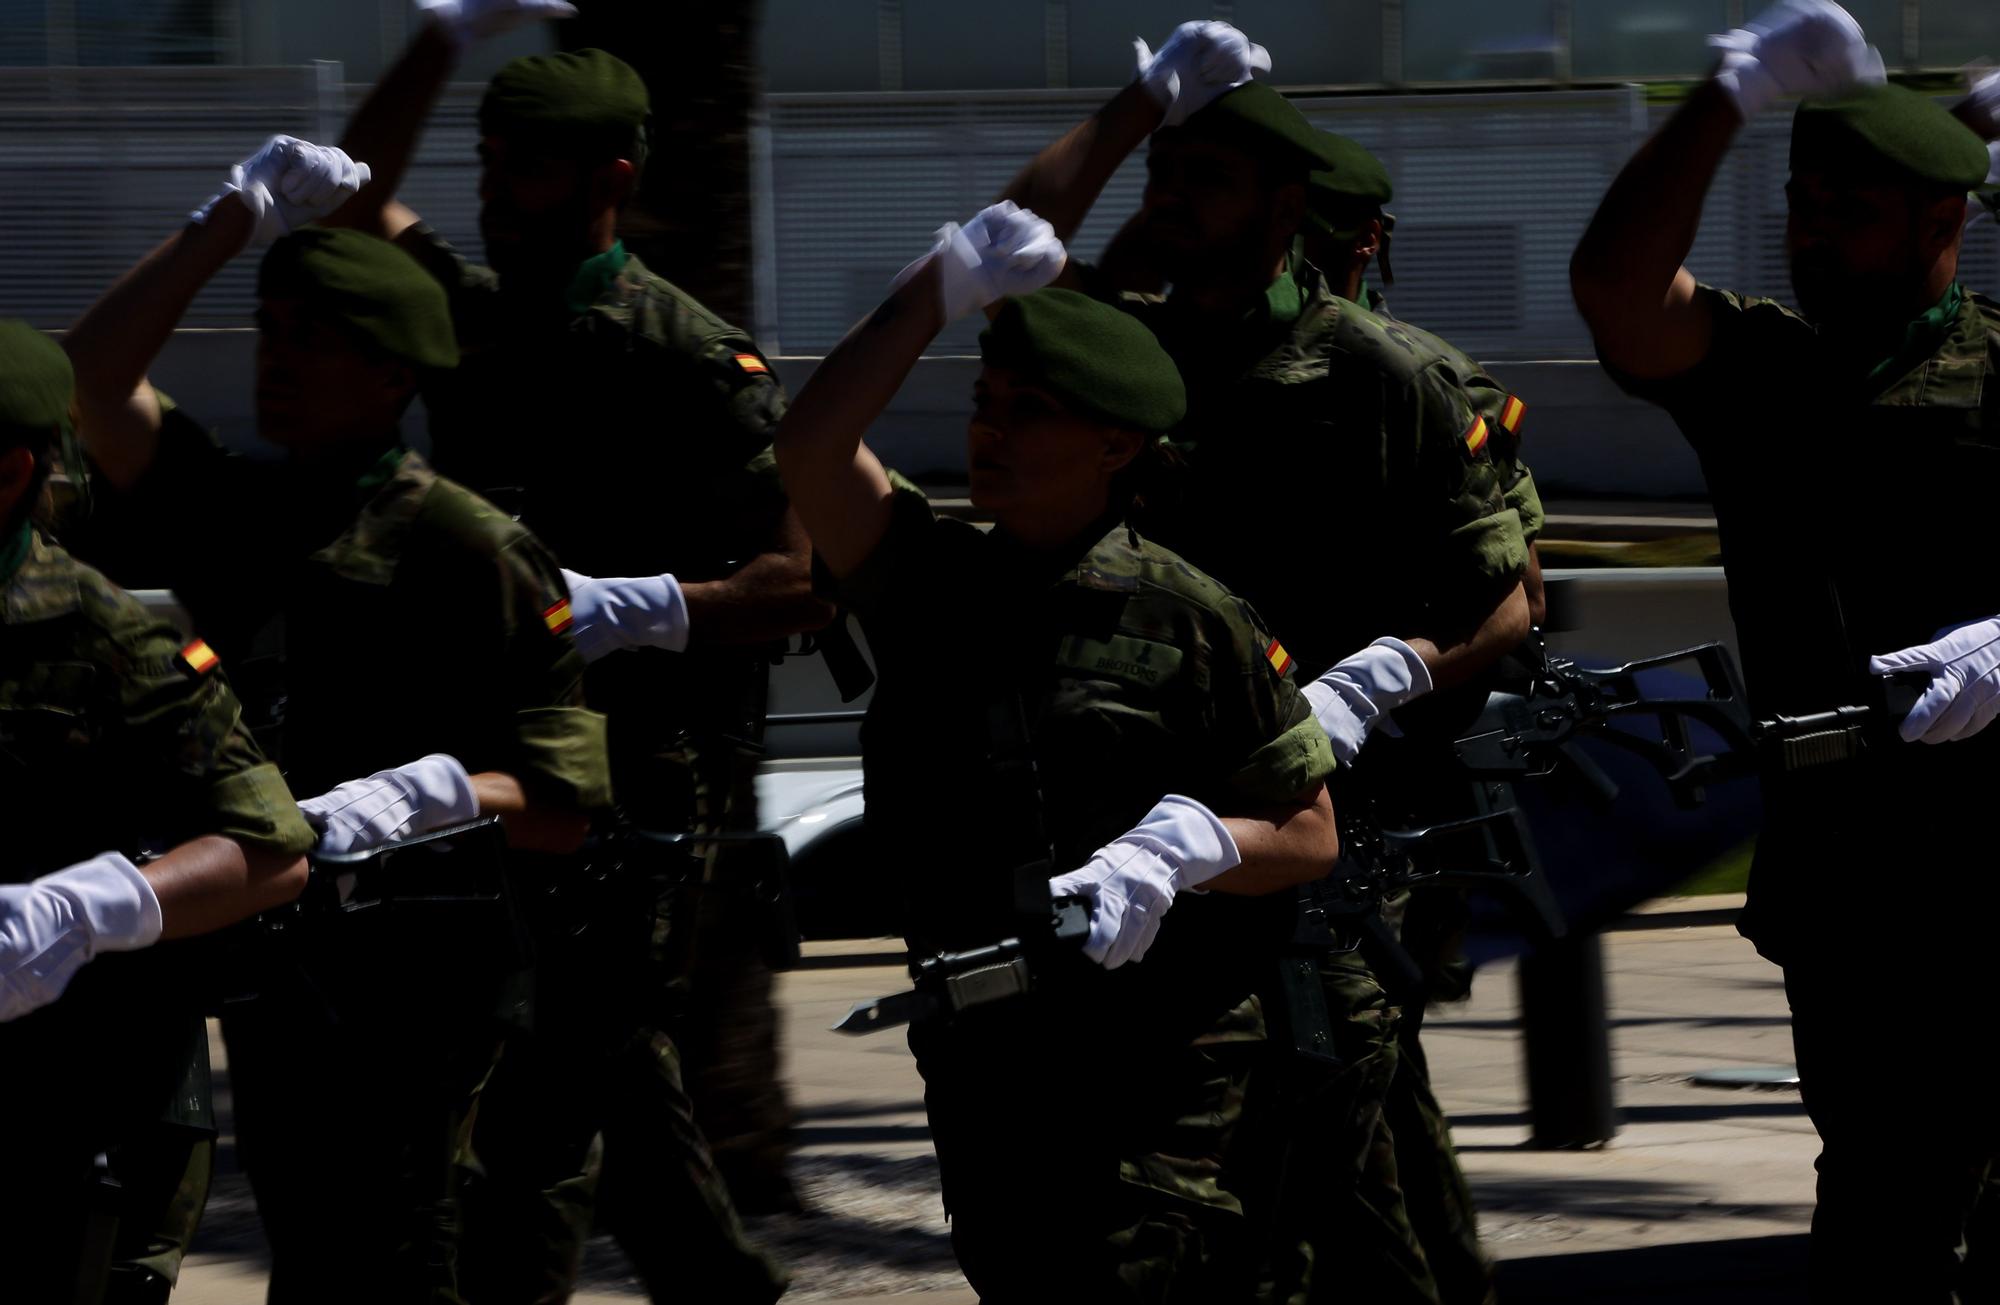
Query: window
[(820, 45), (1485, 40), (116, 33), (1953, 33), (1101, 32), (995, 45), (24, 34), (1645, 38), (1326, 42)]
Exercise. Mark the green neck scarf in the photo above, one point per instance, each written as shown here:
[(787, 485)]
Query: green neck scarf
[(1283, 299), (15, 551), (594, 277), (380, 471), (1915, 341)]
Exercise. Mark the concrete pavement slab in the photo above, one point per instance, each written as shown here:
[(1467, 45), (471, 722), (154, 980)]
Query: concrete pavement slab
[(1704, 1195)]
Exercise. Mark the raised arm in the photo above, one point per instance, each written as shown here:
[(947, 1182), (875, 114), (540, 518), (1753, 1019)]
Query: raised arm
[(1626, 274), (836, 483), (112, 346), (384, 131), (1198, 62)]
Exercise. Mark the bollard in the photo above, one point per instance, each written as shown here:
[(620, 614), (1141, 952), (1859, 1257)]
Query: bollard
[(1567, 1044)]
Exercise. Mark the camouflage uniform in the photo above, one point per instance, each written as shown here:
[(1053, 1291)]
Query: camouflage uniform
[(413, 618), (1079, 1130), (110, 739), (1784, 419), (665, 415), (1502, 411), (1432, 924), (1340, 477)]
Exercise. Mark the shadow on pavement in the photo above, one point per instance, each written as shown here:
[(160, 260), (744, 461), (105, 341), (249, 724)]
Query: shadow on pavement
[(1758, 1107), (1763, 1270)]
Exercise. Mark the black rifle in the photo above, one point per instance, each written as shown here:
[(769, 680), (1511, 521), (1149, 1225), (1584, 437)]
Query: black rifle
[(465, 866), (947, 983), (1532, 728)]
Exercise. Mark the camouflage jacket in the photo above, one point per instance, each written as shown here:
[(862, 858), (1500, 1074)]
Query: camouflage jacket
[(117, 734), (1138, 676), (633, 437), (1338, 476), (1855, 519), (419, 619), (1502, 411)]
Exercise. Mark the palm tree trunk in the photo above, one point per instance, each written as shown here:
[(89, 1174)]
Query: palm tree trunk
[(691, 220)]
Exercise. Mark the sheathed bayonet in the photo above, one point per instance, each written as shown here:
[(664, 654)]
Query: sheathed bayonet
[(951, 982)]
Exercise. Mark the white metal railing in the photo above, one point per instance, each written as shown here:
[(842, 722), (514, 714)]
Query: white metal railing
[(1493, 188)]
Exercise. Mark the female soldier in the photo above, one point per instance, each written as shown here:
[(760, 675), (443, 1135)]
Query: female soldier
[(1078, 1128)]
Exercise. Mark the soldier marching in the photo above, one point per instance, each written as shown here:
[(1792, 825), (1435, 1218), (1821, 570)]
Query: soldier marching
[(1259, 552)]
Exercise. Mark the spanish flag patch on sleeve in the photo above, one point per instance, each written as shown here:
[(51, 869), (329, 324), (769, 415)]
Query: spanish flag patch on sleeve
[(1475, 435), (1511, 413), (198, 658), (751, 363), (557, 618), (1281, 661)]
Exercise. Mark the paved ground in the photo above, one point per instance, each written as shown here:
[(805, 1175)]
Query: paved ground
[(1703, 1197)]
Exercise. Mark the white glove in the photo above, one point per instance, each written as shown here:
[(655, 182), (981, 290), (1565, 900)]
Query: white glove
[(466, 21), (639, 612), (1003, 251), (1981, 111), (429, 793), (1199, 62), (1131, 881), (288, 183), (50, 927), (1796, 47), (1964, 692), (1981, 106), (1354, 698)]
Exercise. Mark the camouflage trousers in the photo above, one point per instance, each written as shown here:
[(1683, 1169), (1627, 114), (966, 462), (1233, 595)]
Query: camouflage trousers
[(1436, 1198), (1080, 1177), (81, 1239), (1320, 1158), (586, 1120), (349, 1124), (727, 1033), (1431, 927)]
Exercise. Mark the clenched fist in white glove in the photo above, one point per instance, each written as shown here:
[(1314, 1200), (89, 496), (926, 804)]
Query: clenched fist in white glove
[(1198, 63), (1132, 880), (289, 183), (50, 927), (1354, 698), (636, 612), (1964, 692), (466, 21), (1796, 47), (1980, 110), (1005, 250), (361, 815)]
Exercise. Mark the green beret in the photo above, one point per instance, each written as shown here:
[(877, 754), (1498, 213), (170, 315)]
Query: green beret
[(1355, 187), (1100, 361), (1261, 120), (1913, 133), (35, 379), (580, 98), (367, 285)]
